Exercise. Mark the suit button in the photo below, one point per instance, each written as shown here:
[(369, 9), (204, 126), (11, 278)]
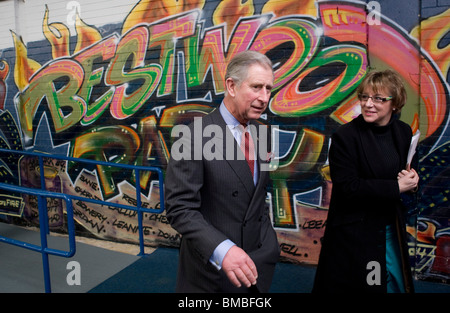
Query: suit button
[(235, 193)]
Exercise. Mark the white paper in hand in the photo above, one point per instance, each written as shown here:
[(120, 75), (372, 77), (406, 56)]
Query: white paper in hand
[(412, 147)]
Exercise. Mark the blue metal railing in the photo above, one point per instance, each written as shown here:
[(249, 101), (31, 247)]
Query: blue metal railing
[(43, 248), (42, 205)]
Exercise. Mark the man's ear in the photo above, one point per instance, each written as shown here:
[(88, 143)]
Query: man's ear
[(230, 85)]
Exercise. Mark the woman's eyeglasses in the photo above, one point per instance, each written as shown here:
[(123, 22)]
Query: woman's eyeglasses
[(375, 99)]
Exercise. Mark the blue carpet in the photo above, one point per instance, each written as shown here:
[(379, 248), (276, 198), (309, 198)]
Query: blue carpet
[(152, 273), (156, 273)]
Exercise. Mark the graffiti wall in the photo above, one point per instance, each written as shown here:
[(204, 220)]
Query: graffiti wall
[(107, 81)]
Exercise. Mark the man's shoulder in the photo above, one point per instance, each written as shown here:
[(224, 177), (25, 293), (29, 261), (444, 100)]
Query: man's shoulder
[(206, 119)]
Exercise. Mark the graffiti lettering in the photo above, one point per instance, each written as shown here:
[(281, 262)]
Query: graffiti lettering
[(132, 82), (146, 230), (124, 102), (88, 182), (84, 193), (124, 212), (91, 212), (104, 51), (66, 108), (116, 144), (290, 249), (314, 224), (94, 226), (125, 225), (161, 218), (169, 236), (54, 218)]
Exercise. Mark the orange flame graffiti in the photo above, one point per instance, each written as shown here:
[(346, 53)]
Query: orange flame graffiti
[(87, 35), (282, 8), (149, 11), (24, 66), (58, 35), (230, 11)]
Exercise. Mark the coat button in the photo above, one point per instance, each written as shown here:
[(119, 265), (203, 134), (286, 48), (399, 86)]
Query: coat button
[(235, 193)]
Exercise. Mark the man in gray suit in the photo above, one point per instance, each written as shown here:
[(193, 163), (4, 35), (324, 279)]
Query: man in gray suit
[(217, 201)]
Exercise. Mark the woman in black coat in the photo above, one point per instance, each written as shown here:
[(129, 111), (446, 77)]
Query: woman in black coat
[(364, 247)]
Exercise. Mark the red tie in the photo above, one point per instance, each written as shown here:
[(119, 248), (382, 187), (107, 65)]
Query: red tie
[(247, 146)]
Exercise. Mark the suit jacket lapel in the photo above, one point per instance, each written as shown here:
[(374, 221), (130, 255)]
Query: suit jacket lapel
[(237, 161), (260, 190)]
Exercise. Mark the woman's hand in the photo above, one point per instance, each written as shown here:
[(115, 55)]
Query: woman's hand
[(408, 180)]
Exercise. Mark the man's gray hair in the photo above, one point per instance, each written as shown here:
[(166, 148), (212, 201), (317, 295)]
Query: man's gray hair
[(237, 69)]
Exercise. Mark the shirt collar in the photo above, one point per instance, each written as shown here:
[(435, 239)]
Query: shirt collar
[(229, 119)]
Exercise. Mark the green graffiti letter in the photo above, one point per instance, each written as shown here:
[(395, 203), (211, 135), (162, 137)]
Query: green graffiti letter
[(140, 81), (103, 50), (59, 83), (114, 144)]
